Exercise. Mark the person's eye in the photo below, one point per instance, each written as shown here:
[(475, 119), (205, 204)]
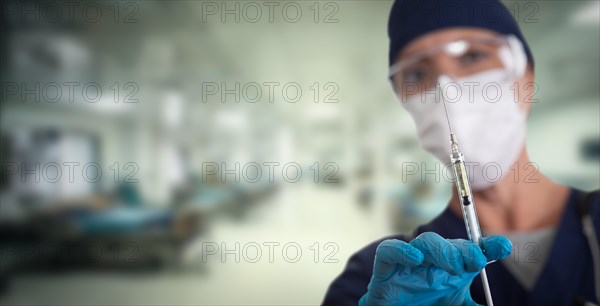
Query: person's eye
[(413, 75), (473, 57)]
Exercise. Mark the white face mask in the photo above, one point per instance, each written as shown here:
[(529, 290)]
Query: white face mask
[(489, 126)]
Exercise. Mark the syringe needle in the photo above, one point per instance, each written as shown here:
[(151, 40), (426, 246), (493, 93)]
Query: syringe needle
[(445, 109)]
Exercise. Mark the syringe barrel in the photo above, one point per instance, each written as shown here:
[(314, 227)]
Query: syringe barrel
[(466, 197), (460, 173)]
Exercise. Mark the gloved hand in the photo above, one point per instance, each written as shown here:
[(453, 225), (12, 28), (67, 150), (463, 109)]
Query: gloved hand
[(430, 270)]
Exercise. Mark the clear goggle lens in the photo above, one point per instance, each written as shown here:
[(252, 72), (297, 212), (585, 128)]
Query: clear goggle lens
[(460, 58)]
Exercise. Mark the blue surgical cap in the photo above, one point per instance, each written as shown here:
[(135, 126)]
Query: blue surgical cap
[(410, 19)]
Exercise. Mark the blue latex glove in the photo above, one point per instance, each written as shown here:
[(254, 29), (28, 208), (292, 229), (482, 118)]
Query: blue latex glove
[(430, 270)]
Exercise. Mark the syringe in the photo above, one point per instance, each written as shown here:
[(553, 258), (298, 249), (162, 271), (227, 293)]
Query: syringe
[(466, 199)]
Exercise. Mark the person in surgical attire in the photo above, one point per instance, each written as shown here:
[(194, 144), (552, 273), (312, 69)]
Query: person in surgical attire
[(472, 56)]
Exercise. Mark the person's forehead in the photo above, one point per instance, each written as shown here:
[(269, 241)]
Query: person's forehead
[(442, 36)]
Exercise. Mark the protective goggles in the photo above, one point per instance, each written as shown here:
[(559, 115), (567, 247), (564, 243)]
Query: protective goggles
[(461, 58)]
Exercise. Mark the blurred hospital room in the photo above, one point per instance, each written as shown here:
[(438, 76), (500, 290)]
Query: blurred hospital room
[(235, 152)]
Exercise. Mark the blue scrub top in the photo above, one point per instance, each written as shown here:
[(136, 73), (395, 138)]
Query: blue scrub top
[(567, 277)]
